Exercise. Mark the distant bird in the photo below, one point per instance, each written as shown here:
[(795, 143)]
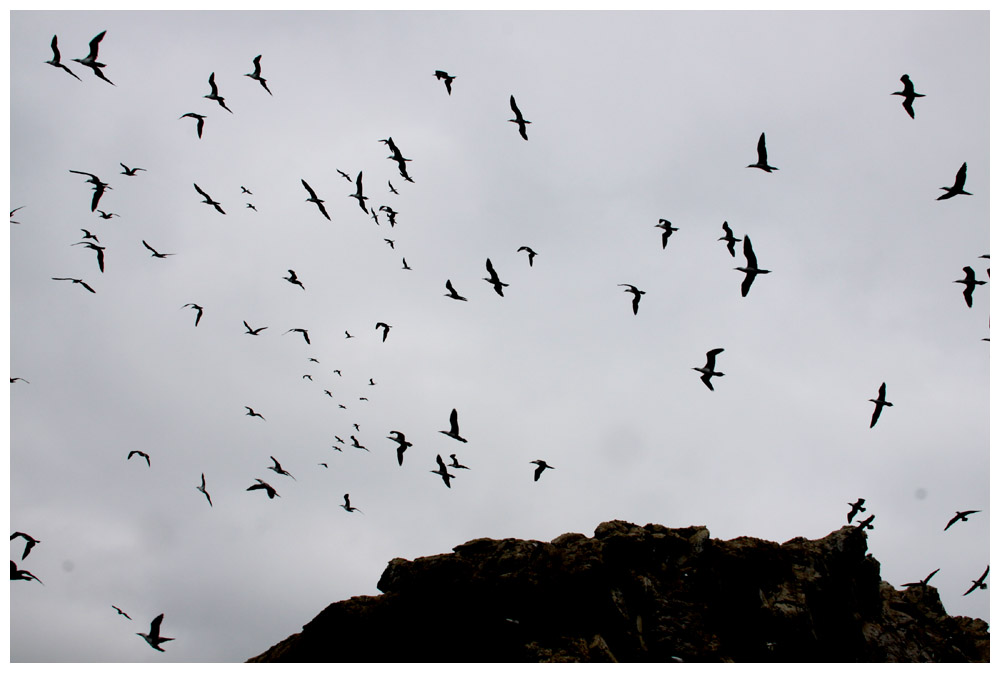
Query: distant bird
[(77, 280), (390, 213), (519, 119), (494, 280), (978, 584), (970, 283), (961, 516), (751, 269), (199, 309), (347, 504), (452, 293), (708, 371), (90, 60), (453, 430), (142, 454), (908, 94), (293, 279), (252, 207), (245, 190), (324, 465), (30, 542), (636, 294), (250, 330), (922, 583), (855, 508), (867, 523), (729, 239), (107, 216), (19, 208), (208, 199), (129, 171), (348, 335), (337, 372), (16, 574), (307, 376), (121, 612), (158, 255), (18, 378), (531, 254), (762, 157), (359, 193), (398, 157), (542, 466), (344, 175), (374, 216), (256, 74), (261, 484), (314, 360), (406, 267), (314, 199), (55, 58), (879, 403), (357, 445), (391, 188), (443, 472), (304, 333), (328, 393), (667, 228), (99, 187), (202, 489), (277, 468), (455, 463), (958, 187), (385, 329), (214, 95), (251, 412), (200, 118), (403, 445), (356, 427), (87, 234), (339, 440), (448, 79), (153, 637)]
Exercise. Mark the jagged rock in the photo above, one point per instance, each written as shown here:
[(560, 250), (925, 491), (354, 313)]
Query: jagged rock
[(640, 594)]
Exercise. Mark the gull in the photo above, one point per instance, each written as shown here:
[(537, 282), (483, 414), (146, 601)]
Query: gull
[(542, 465), (245, 190), (855, 508), (636, 294), (452, 293), (314, 199), (252, 207), (129, 171), (345, 175), (29, 543), (200, 118), (158, 255), (443, 472), (261, 484), (385, 329), (347, 504), (18, 378), (867, 523), (304, 333), (107, 216), (256, 74), (90, 60), (356, 444), (359, 194), (55, 58), (400, 439), (406, 267), (199, 309), (762, 157), (215, 93), (961, 516), (12, 214), (455, 463), (708, 371), (251, 412), (970, 283), (87, 234), (751, 270), (202, 489), (879, 403), (453, 430), (293, 279), (494, 280), (348, 335), (140, 453), (978, 584), (250, 330), (958, 187), (922, 583), (391, 188), (448, 79), (397, 156), (729, 239), (208, 199), (519, 119), (16, 574), (531, 254), (153, 637), (390, 213), (277, 468), (121, 612), (667, 228), (99, 188), (77, 280), (908, 94)]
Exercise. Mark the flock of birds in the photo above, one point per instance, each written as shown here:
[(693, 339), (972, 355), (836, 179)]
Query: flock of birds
[(708, 371)]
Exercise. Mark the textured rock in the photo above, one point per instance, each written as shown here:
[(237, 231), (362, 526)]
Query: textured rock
[(640, 594)]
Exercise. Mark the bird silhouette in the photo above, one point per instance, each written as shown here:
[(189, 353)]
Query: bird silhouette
[(531, 254), (293, 279), (99, 187), (908, 94), (855, 508), (245, 190), (385, 329), (494, 280), (391, 188), (867, 523), (107, 216), (304, 333), (12, 221), (29, 543), (250, 330), (751, 269), (261, 484), (708, 371), (961, 516), (121, 612), (347, 504), (358, 445), (142, 454), (208, 199), (16, 574), (970, 283), (729, 239), (314, 199), (200, 118), (922, 583), (406, 267), (359, 194), (667, 228), (542, 466), (158, 255), (391, 214), (958, 187), (277, 468), (455, 463), (129, 171), (978, 584), (879, 403), (87, 234), (18, 378), (55, 58), (402, 444), (519, 119), (202, 489), (344, 175), (448, 79), (452, 293), (348, 335), (453, 430), (90, 60), (636, 294), (153, 637), (252, 207), (443, 472), (251, 412), (214, 95), (256, 74), (199, 309), (77, 280), (762, 157)]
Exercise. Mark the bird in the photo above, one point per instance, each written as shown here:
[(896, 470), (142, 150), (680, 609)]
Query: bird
[(879, 403), (958, 187), (855, 508), (978, 584), (347, 504), (357, 445), (337, 372), (391, 188), (12, 214), (708, 371), (251, 412), (18, 378), (531, 254), (245, 190), (87, 234), (385, 329), (99, 188), (324, 465), (406, 267), (961, 516), (261, 484), (494, 280), (729, 239), (751, 269), (403, 445), (636, 294), (908, 94), (398, 157), (314, 360), (339, 440), (922, 583), (304, 333), (143, 454), (867, 523), (55, 58), (208, 200), (314, 199), (344, 175), (307, 376), (293, 279), (519, 119), (121, 612), (359, 195), (667, 228), (448, 79), (762, 157), (107, 216), (970, 283), (158, 255), (214, 95), (348, 335), (452, 293), (77, 280), (202, 489), (252, 207), (328, 393), (455, 463), (129, 171), (453, 430), (30, 542), (16, 574), (542, 466), (391, 214), (199, 309), (277, 468), (250, 330), (256, 74), (153, 637), (442, 470), (200, 118), (90, 60), (374, 216)]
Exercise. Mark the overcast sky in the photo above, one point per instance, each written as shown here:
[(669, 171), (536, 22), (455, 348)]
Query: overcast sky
[(635, 117)]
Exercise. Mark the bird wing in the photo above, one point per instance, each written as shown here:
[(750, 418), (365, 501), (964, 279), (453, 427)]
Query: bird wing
[(710, 364), (94, 45), (513, 106), (454, 422), (211, 83), (960, 177), (256, 66), (150, 248), (908, 106), (707, 380), (309, 189), (490, 270), (762, 151), (881, 392), (87, 286), (749, 254), (201, 191), (154, 626), (98, 193)]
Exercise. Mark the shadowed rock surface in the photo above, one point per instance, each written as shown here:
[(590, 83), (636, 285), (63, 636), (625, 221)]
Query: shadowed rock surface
[(640, 594)]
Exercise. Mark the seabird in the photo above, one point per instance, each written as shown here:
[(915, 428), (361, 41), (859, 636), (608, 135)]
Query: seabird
[(636, 293), (252, 207), (448, 79), (18, 378), (867, 523), (406, 267), (129, 171), (978, 584), (374, 216), (199, 309), (970, 283), (356, 444), (667, 228), (140, 453), (453, 430), (494, 280), (344, 175), (245, 190), (208, 199), (442, 470), (385, 329), (961, 516), (347, 504), (256, 74), (855, 508), (16, 574), (304, 333), (153, 637), (215, 93), (12, 214), (314, 199), (359, 194), (121, 612), (531, 254), (519, 119), (107, 216), (277, 468), (390, 213), (55, 58), (29, 543), (542, 465), (328, 393), (99, 188), (87, 234), (762, 157), (200, 118), (202, 489), (729, 239), (307, 376), (400, 439), (251, 412), (708, 371), (391, 188), (159, 255), (908, 94), (90, 60), (77, 280), (922, 583), (958, 187), (348, 335), (751, 270), (261, 484), (452, 293), (455, 463), (293, 279), (879, 403), (250, 330)]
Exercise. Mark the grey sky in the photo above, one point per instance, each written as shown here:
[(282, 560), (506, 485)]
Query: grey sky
[(635, 117)]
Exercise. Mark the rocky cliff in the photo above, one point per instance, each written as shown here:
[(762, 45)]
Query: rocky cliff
[(640, 594)]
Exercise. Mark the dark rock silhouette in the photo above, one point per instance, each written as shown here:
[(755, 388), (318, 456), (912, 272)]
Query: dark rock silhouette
[(640, 594)]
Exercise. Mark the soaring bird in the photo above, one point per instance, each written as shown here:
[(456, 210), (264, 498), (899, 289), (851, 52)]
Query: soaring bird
[(208, 200), (531, 254), (453, 430), (129, 171), (277, 468), (252, 207), (455, 463), (855, 508), (347, 504), (202, 489), (77, 280), (16, 574), (958, 187), (908, 94), (55, 58), (18, 378), (667, 228), (87, 234), (542, 466), (403, 445), (358, 445), (29, 543), (359, 193), (751, 269), (99, 188), (100, 253), (494, 280), (304, 333), (448, 79), (519, 119), (879, 403), (121, 612), (348, 335), (245, 190), (256, 74), (158, 255), (107, 216), (978, 584), (406, 267), (261, 484), (391, 188), (90, 60), (199, 309), (442, 470), (374, 216), (385, 329), (12, 221), (636, 294), (314, 199), (390, 213), (251, 412), (293, 279), (142, 454), (214, 95), (153, 637), (250, 330), (200, 118), (708, 371), (961, 516), (762, 157), (452, 293), (970, 283), (867, 523), (398, 157), (729, 239), (344, 175), (922, 583)]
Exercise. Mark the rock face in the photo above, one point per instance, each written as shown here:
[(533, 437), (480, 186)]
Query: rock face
[(640, 594)]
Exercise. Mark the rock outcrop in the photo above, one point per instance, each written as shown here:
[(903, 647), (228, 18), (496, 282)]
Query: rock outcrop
[(640, 594)]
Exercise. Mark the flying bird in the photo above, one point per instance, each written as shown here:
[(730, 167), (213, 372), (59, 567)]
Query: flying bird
[(762, 157), (55, 58), (519, 119), (455, 463), (129, 171), (636, 294), (406, 267), (494, 280), (452, 293), (107, 216), (304, 333), (348, 335), (961, 516), (403, 445), (19, 208), (344, 175), (391, 188), (99, 188), (158, 255), (542, 466), (256, 74), (77, 280), (142, 454), (978, 584), (252, 207), (453, 430), (908, 94), (121, 612), (970, 283), (245, 190), (751, 269), (879, 403), (18, 378), (251, 412), (87, 234), (30, 542), (442, 470), (16, 574), (855, 508), (250, 330), (359, 194), (347, 504), (708, 371), (214, 95), (153, 637), (261, 484), (90, 60), (729, 239), (448, 79), (922, 583), (202, 489), (390, 213), (208, 200), (958, 187), (531, 254), (667, 228), (277, 468), (314, 199), (356, 444), (867, 523), (200, 118), (307, 376), (293, 279), (385, 329), (199, 309)]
